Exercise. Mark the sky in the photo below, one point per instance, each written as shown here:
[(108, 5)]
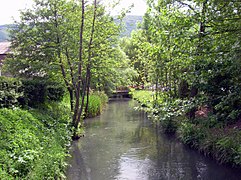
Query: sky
[(9, 9)]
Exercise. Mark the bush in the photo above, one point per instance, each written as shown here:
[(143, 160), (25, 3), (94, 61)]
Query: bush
[(33, 143), (37, 92), (55, 91), (14, 92), (145, 98), (10, 92), (34, 93), (191, 134)]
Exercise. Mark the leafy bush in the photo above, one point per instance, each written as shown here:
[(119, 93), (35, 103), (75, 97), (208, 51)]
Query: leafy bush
[(55, 91), (14, 92), (10, 92), (33, 143), (37, 92), (34, 93), (191, 134)]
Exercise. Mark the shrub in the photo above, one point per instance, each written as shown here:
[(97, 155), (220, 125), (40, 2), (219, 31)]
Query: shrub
[(55, 91), (145, 98), (37, 92), (33, 143), (34, 93), (10, 92), (191, 134), (14, 92)]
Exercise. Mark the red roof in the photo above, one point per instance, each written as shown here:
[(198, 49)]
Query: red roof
[(4, 47)]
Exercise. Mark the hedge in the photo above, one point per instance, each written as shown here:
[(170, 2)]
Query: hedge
[(15, 92)]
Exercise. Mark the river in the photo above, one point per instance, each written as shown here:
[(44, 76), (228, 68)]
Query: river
[(122, 144)]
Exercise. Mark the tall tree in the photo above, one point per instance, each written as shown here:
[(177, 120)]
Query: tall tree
[(63, 39)]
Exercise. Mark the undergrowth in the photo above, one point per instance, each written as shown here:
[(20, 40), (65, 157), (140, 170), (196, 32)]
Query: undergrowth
[(34, 142)]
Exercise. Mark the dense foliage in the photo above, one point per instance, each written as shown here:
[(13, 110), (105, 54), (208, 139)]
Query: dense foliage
[(33, 143), (38, 92), (10, 92), (16, 92), (72, 42), (191, 49), (189, 53)]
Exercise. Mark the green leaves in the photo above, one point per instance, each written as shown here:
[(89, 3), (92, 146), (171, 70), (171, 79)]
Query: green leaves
[(33, 143)]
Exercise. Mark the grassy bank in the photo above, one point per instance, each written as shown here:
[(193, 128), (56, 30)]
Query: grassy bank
[(204, 133), (97, 102), (35, 142)]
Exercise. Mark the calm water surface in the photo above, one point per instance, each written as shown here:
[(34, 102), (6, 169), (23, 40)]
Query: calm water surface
[(122, 144)]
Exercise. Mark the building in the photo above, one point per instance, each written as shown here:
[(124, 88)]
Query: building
[(4, 49)]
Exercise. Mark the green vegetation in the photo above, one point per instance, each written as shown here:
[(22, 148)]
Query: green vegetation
[(22, 92), (144, 97), (189, 53), (39, 91), (97, 103), (34, 143), (204, 133), (10, 92), (74, 43)]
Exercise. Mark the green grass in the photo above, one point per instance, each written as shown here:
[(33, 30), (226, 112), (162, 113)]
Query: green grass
[(97, 101), (145, 98)]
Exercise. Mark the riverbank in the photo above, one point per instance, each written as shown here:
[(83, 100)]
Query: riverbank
[(35, 142), (204, 133)]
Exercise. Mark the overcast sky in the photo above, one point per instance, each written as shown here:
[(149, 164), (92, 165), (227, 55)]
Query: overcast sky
[(9, 9)]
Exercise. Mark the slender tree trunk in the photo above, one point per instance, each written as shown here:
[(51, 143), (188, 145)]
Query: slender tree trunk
[(88, 93), (58, 42), (77, 92), (71, 97), (89, 62)]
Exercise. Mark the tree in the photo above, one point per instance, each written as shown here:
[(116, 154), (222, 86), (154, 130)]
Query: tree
[(64, 40), (194, 46)]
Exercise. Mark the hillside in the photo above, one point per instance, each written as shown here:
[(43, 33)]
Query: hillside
[(130, 23), (3, 33)]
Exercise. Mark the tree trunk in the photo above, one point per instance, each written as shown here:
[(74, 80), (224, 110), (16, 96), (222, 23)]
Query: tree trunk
[(89, 63), (71, 97), (78, 86), (88, 93)]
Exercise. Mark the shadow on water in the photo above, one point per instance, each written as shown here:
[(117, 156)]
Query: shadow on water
[(122, 144)]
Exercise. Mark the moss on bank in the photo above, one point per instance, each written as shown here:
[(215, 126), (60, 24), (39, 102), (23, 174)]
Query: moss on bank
[(206, 134)]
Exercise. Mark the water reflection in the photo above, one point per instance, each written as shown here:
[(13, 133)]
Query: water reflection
[(122, 144)]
